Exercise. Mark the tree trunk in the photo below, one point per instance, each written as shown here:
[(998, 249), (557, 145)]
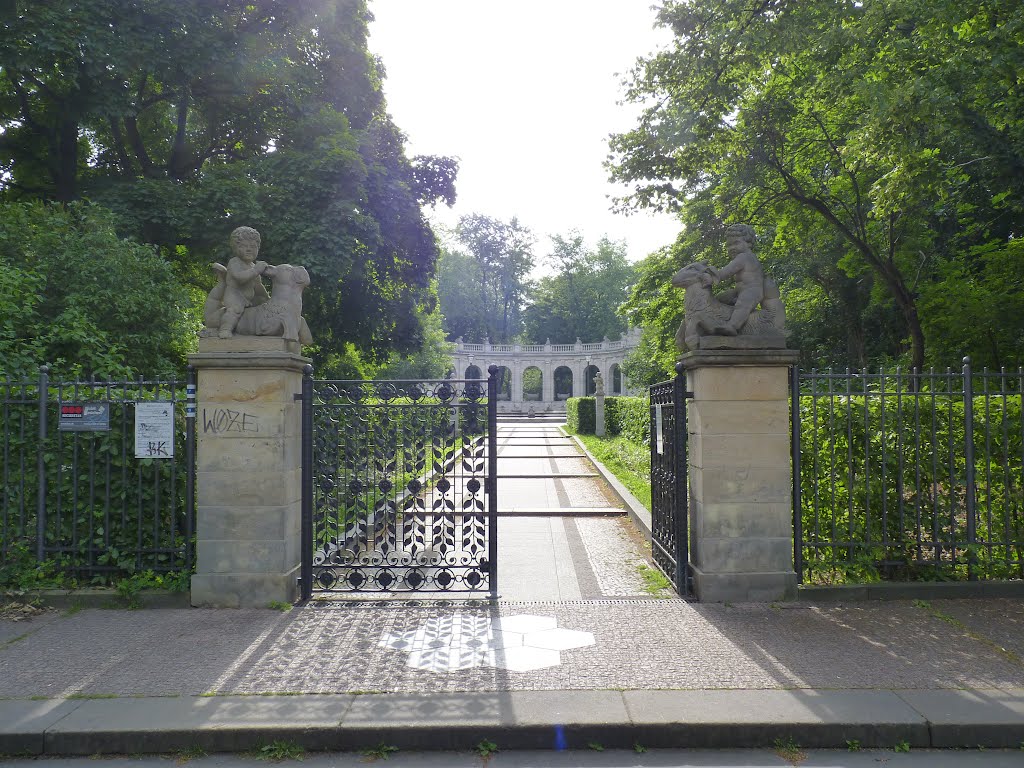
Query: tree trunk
[(66, 170)]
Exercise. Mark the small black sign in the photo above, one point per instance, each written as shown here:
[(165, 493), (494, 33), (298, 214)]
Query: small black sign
[(84, 417)]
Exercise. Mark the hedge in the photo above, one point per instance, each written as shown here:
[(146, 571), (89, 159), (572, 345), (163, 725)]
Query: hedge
[(580, 415), (625, 416), (629, 417)]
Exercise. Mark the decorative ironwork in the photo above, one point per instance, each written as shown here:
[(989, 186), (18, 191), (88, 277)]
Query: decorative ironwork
[(669, 544), (400, 489)]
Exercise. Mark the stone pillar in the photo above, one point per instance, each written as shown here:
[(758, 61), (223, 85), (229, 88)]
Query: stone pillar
[(599, 405), (517, 381), (248, 471), (547, 387), (741, 517)]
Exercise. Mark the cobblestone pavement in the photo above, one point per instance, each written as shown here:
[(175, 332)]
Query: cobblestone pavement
[(334, 647)]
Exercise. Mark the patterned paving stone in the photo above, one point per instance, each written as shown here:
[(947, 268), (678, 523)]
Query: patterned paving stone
[(516, 643)]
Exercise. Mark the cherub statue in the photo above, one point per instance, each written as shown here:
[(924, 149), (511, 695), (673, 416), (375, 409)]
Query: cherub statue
[(239, 303)]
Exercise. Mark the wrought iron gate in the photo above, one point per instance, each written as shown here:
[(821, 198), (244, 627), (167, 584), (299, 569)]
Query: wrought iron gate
[(399, 491), (669, 503)]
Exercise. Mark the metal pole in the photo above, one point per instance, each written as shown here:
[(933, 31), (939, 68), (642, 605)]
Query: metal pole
[(190, 464), (492, 479), (798, 523), (970, 480), (306, 537), (682, 469), (44, 385)]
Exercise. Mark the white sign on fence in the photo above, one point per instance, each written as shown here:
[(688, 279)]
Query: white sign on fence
[(659, 426), (154, 430)]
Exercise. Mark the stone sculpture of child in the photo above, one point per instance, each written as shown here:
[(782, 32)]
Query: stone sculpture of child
[(242, 286), (748, 273)]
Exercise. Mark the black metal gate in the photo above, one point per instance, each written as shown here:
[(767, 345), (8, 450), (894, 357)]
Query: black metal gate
[(669, 503), (399, 491)]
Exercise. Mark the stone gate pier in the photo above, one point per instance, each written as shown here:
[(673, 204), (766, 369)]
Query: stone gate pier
[(741, 516), (248, 471)]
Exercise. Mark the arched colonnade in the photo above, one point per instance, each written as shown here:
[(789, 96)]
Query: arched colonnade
[(540, 377)]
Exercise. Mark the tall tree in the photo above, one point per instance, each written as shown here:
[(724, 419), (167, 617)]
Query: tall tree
[(890, 131), (190, 117), (503, 256), (581, 300)]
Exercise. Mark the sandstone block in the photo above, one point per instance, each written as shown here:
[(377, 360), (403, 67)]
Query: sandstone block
[(745, 383), (249, 488)]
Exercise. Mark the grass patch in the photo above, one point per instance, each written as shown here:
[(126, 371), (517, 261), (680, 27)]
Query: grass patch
[(629, 462), (655, 582)]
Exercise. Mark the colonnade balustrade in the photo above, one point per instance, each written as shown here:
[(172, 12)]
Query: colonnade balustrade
[(539, 378)]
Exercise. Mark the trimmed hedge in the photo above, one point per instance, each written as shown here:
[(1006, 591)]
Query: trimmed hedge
[(629, 417), (625, 416), (580, 415)]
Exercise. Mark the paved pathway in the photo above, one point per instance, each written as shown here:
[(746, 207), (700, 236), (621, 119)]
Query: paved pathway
[(562, 532)]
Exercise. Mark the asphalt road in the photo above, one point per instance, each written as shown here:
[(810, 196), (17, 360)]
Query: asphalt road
[(579, 759)]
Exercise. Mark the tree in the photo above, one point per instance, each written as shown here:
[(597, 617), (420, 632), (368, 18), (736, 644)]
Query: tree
[(190, 117), (502, 257), (582, 298), (890, 131), (83, 300)]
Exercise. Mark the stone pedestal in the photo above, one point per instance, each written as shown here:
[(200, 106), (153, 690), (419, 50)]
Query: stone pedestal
[(741, 520), (248, 471)]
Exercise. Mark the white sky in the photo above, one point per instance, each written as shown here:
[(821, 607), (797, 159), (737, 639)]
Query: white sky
[(524, 93)]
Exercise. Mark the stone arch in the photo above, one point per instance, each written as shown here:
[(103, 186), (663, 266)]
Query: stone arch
[(589, 374), (474, 372), (504, 378), (563, 382), (533, 383), (615, 387)]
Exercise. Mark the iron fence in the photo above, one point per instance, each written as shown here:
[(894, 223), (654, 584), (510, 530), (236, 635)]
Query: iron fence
[(669, 504), (82, 499), (905, 475)]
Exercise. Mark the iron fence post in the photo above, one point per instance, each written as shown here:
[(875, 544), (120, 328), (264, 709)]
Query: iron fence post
[(492, 478), (44, 385), (969, 477), (306, 535), (682, 516), (190, 464), (798, 523)]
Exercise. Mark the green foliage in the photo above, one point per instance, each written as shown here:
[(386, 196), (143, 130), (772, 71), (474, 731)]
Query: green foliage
[(83, 300), (581, 300), (110, 515), (481, 287), (628, 461), (532, 383), (862, 456), (580, 415), (381, 752), (279, 750), (485, 749), (875, 146), (188, 118), (629, 417), (655, 582)]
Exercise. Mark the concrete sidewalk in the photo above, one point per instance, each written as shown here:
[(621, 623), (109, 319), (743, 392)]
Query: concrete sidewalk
[(575, 651)]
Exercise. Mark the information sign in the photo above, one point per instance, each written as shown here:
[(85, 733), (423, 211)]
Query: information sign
[(83, 417), (659, 426), (154, 430)]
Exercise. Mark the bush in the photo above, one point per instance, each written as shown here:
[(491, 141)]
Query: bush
[(80, 298), (884, 492), (580, 415), (629, 417)]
